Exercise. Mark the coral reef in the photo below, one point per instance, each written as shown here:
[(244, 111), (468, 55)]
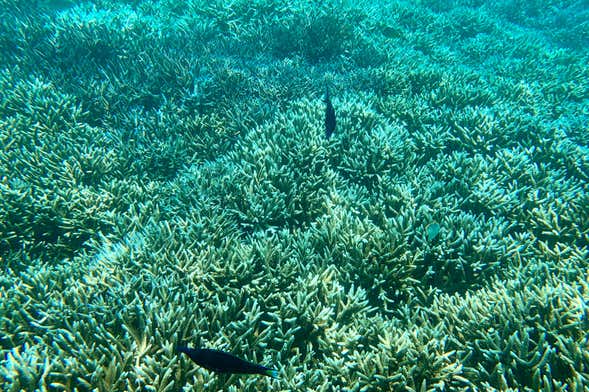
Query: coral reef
[(165, 179)]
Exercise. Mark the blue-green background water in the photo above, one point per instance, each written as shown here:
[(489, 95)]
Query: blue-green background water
[(165, 179)]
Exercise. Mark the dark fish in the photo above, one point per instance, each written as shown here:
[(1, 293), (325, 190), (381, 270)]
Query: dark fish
[(222, 362), (329, 115)]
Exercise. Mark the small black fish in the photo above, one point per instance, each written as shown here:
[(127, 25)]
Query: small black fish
[(329, 115), (222, 362)]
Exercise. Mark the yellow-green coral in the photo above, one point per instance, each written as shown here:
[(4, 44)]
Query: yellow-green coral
[(164, 179)]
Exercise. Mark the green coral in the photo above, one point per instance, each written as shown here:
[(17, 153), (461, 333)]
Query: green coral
[(165, 179)]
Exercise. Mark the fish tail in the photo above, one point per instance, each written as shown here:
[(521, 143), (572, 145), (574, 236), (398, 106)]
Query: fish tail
[(270, 373)]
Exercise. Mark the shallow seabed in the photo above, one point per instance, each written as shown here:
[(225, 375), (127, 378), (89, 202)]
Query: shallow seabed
[(165, 178)]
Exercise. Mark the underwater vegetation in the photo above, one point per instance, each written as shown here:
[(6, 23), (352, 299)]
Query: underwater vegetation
[(166, 180)]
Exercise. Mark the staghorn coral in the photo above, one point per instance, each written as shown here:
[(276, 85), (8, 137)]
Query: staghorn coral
[(164, 180), (49, 200)]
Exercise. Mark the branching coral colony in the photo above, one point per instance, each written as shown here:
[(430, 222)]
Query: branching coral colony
[(165, 179)]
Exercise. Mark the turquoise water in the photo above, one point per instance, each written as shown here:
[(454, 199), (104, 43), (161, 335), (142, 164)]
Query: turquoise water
[(165, 179)]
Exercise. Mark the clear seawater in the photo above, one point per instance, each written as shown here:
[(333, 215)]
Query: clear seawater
[(166, 179)]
